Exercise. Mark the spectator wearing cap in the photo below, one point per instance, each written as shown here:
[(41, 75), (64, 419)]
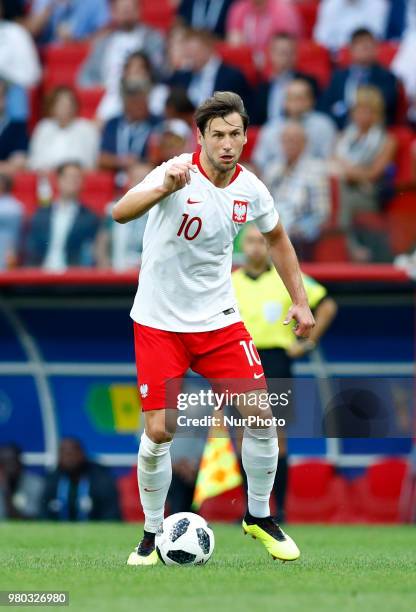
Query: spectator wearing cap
[(254, 22), (270, 95), (62, 234), (299, 106), (174, 138), (126, 138), (338, 19), (11, 214), (63, 136), (108, 55), (206, 72), (51, 21), (205, 14), (363, 70), (13, 138), (137, 68), (20, 490)]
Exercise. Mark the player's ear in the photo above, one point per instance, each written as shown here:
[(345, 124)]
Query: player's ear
[(199, 136), (245, 137)]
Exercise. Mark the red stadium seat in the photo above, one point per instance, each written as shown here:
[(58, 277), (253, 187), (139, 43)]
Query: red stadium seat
[(229, 506), (98, 190), (376, 495), (89, 100), (241, 57), (252, 134), (159, 14), (332, 247), (25, 190), (404, 137), (128, 491), (317, 494), (315, 60), (386, 53), (308, 10), (62, 63), (401, 221)]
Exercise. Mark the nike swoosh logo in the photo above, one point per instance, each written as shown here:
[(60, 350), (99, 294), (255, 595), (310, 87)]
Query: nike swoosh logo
[(258, 375), (151, 490), (189, 201)]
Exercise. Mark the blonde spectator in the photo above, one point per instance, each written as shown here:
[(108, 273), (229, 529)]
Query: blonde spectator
[(363, 154), (63, 136)]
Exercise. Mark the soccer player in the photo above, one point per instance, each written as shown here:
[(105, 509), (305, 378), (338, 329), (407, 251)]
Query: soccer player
[(185, 313), (263, 301)]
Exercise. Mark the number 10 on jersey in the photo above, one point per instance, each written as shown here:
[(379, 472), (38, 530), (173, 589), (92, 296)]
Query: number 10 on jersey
[(190, 227)]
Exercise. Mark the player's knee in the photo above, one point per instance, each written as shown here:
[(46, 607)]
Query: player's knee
[(159, 434)]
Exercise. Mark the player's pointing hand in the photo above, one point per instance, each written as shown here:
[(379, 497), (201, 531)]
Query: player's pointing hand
[(301, 313), (177, 176)]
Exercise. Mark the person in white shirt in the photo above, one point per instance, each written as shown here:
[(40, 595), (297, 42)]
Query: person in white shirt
[(403, 64), (185, 312), (19, 61), (299, 106), (63, 136), (338, 19), (300, 184), (104, 65)]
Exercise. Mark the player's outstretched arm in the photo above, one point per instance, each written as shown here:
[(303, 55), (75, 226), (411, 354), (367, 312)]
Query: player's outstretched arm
[(284, 258), (134, 204)]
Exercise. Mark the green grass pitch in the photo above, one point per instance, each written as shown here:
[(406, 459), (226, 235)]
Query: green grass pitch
[(363, 568)]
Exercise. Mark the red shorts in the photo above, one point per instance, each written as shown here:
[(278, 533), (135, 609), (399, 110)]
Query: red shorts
[(227, 357)]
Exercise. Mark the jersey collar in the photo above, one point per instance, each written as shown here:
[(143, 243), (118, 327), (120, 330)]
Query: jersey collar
[(197, 162)]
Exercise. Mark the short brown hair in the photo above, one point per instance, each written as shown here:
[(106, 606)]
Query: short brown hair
[(221, 104)]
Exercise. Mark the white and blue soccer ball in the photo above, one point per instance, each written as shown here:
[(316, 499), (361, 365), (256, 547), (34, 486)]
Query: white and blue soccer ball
[(184, 538)]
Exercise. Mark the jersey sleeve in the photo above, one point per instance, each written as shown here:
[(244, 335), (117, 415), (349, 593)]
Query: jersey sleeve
[(265, 213), (314, 291)]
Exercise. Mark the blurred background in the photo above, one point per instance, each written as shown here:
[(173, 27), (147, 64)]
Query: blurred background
[(93, 95)]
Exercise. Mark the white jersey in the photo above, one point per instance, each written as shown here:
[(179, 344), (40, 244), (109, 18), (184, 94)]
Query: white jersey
[(185, 277)]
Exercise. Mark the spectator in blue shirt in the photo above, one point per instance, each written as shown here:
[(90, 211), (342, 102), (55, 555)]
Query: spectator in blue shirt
[(11, 215), (126, 138), (13, 138), (63, 20)]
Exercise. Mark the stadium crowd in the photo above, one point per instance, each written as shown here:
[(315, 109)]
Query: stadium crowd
[(94, 94)]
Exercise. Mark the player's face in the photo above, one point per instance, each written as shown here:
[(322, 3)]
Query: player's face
[(223, 141)]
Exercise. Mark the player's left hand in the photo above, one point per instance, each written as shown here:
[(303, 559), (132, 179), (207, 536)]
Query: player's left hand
[(301, 313)]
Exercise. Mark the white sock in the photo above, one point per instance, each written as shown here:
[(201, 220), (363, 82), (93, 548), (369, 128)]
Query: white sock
[(259, 453), (154, 475)]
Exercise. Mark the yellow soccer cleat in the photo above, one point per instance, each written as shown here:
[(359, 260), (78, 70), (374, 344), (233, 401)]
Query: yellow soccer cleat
[(275, 540), (145, 553)]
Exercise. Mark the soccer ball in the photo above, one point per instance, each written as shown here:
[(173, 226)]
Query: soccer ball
[(184, 538)]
